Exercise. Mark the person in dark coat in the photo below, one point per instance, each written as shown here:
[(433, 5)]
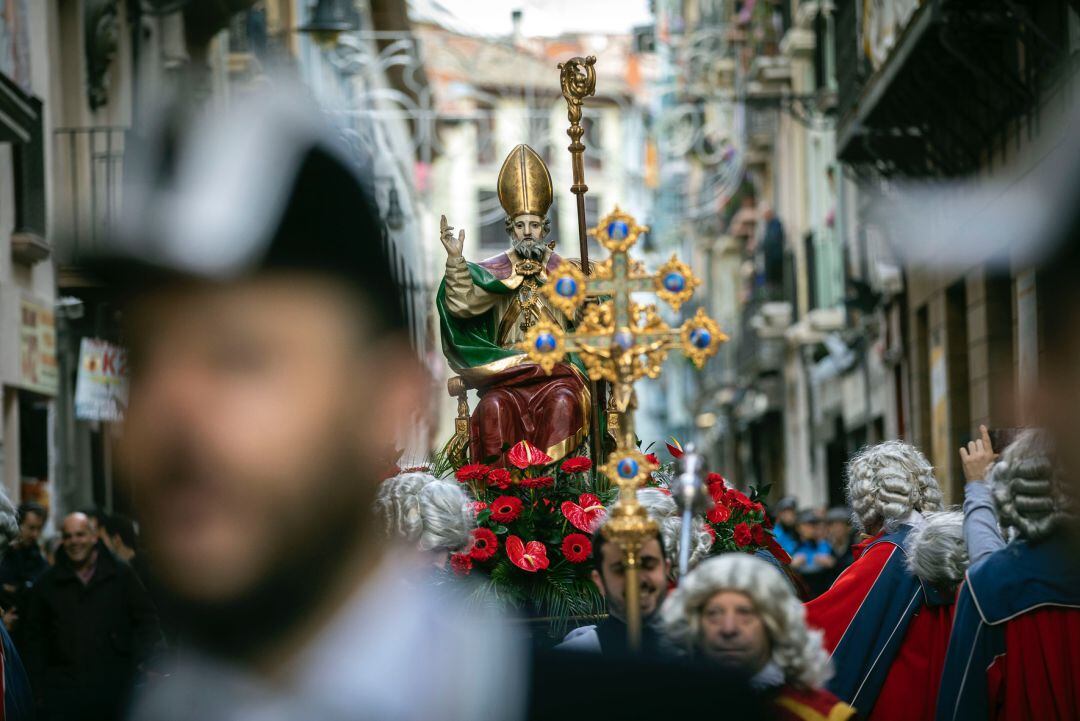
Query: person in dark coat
[(22, 564), (89, 629)]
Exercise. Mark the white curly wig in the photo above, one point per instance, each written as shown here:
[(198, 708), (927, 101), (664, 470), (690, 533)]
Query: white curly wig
[(796, 649), (1029, 490), (936, 550), (9, 522), (425, 511), (661, 507), (886, 482)]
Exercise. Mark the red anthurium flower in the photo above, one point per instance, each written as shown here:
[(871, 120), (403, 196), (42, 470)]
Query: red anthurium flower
[(742, 535), (757, 533), (674, 447), (651, 458), (586, 514), (525, 454), (531, 556), (505, 509), (715, 479), (541, 482), (576, 548), (461, 564), (499, 478), (718, 513), (484, 544), (472, 472), (577, 464)]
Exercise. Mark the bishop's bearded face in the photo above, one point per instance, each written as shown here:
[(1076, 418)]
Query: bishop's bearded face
[(527, 236)]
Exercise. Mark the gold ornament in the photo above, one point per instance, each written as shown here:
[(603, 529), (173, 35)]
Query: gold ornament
[(618, 231), (524, 183), (565, 288), (701, 338), (675, 283)]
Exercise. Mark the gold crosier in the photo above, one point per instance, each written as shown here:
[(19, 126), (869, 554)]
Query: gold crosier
[(622, 341)]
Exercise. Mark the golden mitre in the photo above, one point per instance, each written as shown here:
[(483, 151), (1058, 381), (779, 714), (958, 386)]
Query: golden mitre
[(524, 183)]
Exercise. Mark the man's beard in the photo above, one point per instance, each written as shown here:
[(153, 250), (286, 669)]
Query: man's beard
[(530, 249), (296, 582)]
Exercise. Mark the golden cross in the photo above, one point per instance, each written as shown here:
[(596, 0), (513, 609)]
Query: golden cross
[(621, 341)]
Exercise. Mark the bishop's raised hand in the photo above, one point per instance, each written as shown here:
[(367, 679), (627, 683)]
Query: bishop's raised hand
[(453, 245)]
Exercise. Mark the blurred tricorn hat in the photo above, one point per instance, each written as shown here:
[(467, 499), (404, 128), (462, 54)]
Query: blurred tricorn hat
[(262, 185)]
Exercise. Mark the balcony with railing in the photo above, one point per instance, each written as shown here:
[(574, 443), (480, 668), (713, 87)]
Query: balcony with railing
[(89, 172), (928, 89)]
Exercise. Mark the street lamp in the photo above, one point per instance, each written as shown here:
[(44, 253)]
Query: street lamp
[(330, 18)]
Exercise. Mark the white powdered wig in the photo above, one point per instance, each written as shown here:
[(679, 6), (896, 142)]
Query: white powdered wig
[(425, 511), (796, 649), (936, 550), (887, 482), (661, 507), (1029, 490), (9, 522)]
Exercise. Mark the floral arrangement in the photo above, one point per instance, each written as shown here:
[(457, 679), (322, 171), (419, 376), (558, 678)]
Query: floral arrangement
[(533, 540)]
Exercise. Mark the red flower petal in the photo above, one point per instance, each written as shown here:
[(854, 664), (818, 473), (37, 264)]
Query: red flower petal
[(742, 535), (499, 478), (461, 564), (674, 447), (531, 556), (718, 513), (472, 472), (525, 454), (585, 515)]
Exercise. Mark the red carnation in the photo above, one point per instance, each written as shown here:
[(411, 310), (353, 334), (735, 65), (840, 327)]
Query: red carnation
[(461, 564), (484, 544), (472, 472), (651, 458), (505, 509), (758, 534), (577, 464), (541, 482), (478, 506), (718, 513), (576, 548), (742, 535), (499, 477), (715, 479), (525, 454)]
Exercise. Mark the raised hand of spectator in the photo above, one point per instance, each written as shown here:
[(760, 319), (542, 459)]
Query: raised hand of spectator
[(977, 457)]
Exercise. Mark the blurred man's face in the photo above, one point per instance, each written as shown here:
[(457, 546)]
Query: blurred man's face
[(733, 632), (652, 579), (811, 531), (260, 418), (78, 539), (786, 517), (30, 529)]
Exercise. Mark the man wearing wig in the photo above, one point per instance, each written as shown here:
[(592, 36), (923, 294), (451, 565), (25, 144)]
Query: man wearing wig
[(738, 611), (1014, 652), (885, 627)]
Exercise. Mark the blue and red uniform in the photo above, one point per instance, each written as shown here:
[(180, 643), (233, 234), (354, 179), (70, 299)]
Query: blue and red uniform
[(887, 631), (1015, 646)]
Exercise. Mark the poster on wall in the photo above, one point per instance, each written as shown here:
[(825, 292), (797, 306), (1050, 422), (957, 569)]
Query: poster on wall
[(37, 350), (101, 390)]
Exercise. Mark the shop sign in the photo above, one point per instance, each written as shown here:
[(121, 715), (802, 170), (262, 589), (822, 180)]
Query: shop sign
[(101, 389)]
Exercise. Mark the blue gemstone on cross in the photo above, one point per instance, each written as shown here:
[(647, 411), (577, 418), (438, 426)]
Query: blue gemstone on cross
[(700, 338), (674, 282), (618, 230), (627, 468), (566, 287), (624, 339), (545, 342)]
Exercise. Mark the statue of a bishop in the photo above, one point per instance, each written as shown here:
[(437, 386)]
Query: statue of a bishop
[(487, 307)]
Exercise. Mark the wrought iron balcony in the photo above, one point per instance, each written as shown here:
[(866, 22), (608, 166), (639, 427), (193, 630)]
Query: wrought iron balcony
[(89, 171)]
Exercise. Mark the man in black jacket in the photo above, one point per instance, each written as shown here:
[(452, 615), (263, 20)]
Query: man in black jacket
[(89, 627)]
